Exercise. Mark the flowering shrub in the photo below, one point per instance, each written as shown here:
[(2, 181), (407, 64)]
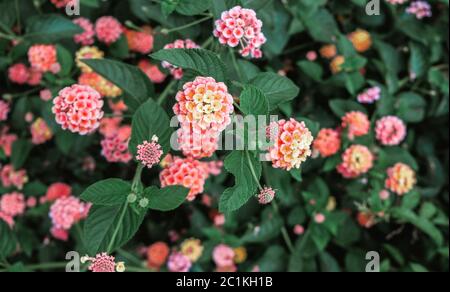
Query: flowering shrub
[(225, 136)]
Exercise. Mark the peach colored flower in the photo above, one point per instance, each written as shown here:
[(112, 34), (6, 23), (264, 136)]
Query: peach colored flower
[(204, 103), (100, 84), (361, 40), (40, 132), (139, 41), (328, 142), (328, 51), (356, 123), (292, 144), (58, 190), (336, 64), (401, 179), (87, 53), (187, 172), (6, 141), (43, 58), (11, 177), (157, 255), (356, 160), (152, 71)]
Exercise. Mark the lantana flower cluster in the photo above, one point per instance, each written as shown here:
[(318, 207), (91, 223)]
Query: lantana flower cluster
[(79, 109), (203, 108), (292, 144), (188, 172), (66, 212), (240, 27)]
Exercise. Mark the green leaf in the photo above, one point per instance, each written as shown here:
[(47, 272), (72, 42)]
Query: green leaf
[(320, 236), (20, 152), (321, 25), (109, 192), (423, 224), (268, 230), (311, 69), (253, 101), (65, 59), (166, 199), (149, 120), (342, 106), (8, 240), (50, 28), (203, 61), (240, 164), (193, 7), (411, 107), (328, 263), (129, 78), (255, 4), (7, 17), (104, 221), (277, 89), (273, 260), (387, 157), (169, 6), (418, 60)]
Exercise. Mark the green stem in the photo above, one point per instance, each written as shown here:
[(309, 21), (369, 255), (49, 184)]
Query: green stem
[(284, 231), (134, 187), (276, 209), (16, 2), (138, 270), (129, 257), (166, 92), (116, 230), (235, 64), (206, 44), (252, 170), (167, 31), (8, 37)]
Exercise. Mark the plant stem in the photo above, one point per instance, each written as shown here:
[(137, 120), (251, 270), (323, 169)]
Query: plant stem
[(167, 31), (276, 209), (134, 186), (284, 232), (166, 92), (252, 170), (16, 2), (129, 256), (45, 266), (206, 44), (8, 37), (235, 64), (109, 250), (138, 270)]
